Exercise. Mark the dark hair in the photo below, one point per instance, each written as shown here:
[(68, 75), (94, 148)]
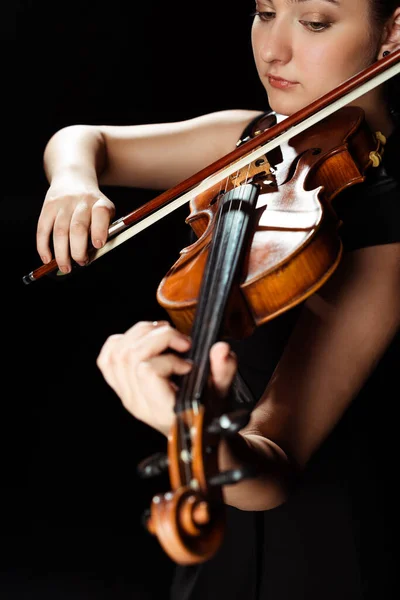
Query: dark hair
[(381, 11)]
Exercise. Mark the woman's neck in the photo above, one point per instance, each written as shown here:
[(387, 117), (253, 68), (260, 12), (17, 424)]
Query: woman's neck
[(377, 112)]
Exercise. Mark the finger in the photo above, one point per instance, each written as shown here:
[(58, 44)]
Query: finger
[(143, 387), (104, 359), (151, 339), (146, 326), (143, 328), (223, 367), (79, 232), (43, 235), (137, 331), (163, 366), (163, 338), (61, 240), (103, 212), (142, 342)]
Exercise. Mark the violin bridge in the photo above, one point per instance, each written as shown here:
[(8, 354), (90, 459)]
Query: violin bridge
[(258, 171)]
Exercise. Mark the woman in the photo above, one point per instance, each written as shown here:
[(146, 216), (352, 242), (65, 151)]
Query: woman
[(299, 528)]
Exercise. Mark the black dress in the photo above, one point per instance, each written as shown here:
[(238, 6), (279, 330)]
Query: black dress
[(334, 538)]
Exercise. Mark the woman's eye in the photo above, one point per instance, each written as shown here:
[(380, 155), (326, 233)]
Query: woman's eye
[(263, 16), (315, 26)]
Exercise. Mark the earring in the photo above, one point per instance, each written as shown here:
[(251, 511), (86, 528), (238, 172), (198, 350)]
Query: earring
[(386, 53)]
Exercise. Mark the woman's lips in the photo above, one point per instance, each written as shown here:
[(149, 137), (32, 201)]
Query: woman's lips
[(281, 84)]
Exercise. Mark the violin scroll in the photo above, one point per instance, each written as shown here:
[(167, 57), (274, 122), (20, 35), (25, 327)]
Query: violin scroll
[(189, 521)]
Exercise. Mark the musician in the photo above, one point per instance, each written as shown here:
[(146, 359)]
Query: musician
[(312, 523)]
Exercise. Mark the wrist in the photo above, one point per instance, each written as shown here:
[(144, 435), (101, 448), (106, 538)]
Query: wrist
[(83, 174)]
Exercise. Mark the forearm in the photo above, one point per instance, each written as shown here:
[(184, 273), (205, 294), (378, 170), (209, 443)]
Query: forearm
[(77, 150), (276, 472)]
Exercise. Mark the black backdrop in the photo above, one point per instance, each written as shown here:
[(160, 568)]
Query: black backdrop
[(71, 501)]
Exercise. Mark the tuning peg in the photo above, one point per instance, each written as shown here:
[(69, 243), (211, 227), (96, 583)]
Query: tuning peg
[(147, 522), (230, 423), (232, 476), (152, 466), (146, 518)]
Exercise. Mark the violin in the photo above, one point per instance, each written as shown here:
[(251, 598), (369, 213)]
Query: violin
[(267, 238)]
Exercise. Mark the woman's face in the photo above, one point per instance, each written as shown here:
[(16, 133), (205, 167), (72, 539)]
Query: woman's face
[(305, 48)]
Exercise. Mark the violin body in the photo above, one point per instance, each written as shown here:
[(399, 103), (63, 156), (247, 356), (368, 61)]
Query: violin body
[(295, 245)]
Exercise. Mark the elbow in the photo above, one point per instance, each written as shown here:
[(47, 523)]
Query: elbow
[(76, 144), (275, 477), (70, 132), (261, 495)]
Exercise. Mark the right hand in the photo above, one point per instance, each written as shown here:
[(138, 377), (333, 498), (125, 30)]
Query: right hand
[(73, 212)]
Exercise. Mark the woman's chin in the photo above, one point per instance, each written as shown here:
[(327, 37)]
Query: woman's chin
[(285, 106), (285, 109)]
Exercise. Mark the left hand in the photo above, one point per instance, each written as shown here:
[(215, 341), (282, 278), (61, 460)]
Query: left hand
[(138, 366)]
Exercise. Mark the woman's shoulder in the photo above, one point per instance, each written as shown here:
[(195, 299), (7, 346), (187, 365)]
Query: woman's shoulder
[(231, 126), (212, 135), (260, 123), (243, 123)]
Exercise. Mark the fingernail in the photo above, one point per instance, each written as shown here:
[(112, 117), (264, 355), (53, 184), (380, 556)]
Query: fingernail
[(65, 268), (98, 243), (45, 259)]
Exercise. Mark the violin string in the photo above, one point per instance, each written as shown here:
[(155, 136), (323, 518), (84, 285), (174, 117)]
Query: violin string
[(196, 379), (206, 333), (216, 279), (190, 408), (218, 260), (190, 383)]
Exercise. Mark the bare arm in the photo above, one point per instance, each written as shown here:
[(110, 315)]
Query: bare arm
[(341, 335), (79, 159)]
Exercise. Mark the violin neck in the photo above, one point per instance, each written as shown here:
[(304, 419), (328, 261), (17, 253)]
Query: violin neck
[(226, 252)]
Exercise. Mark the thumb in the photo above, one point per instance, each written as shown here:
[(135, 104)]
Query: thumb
[(223, 367)]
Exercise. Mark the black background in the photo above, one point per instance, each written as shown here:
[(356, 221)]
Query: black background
[(71, 501)]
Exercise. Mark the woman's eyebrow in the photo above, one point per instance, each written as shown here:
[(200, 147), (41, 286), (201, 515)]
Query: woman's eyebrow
[(336, 2)]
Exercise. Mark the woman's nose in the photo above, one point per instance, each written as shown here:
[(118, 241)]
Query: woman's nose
[(276, 44)]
